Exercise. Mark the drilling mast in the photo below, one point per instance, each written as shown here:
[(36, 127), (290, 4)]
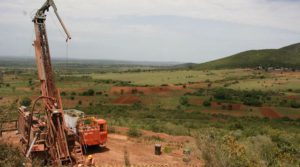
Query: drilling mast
[(49, 135), (53, 107)]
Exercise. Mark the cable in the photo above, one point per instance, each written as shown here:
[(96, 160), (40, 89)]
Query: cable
[(55, 23), (67, 55)]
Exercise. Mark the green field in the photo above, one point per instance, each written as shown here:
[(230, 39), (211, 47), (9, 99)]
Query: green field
[(221, 109)]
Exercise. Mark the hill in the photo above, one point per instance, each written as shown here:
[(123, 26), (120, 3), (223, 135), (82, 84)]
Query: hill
[(288, 56)]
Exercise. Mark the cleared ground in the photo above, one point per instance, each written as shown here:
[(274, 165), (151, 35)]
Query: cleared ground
[(124, 151)]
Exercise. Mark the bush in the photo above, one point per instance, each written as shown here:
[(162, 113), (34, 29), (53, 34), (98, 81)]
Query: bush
[(10, 156), (167, 150), (223, 94), (206, 103), (295, 104), (252, 102), (236, 126), (26, 101), (184, 101), (89, 92), (134, 132), (63, 93)]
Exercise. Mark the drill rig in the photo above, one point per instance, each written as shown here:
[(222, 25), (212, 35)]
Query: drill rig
[(45, 134)]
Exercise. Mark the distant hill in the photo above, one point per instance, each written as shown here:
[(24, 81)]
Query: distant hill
[(29, 62), (288, 56)]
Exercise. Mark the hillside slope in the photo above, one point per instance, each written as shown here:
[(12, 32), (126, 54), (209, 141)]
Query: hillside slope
[(288, 56)]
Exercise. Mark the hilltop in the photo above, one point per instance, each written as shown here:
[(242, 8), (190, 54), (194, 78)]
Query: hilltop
[(288, 57)]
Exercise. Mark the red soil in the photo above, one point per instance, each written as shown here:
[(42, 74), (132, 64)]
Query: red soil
[(214, 104), (236, 106), (126, 100), (146, 90), (196, 102), (268, 112), (291, 97), (133, 90)]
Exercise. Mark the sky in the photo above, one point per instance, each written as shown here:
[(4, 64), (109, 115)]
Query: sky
[(152, 30)]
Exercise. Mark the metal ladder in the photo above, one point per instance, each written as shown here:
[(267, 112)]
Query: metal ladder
[(78, 154)]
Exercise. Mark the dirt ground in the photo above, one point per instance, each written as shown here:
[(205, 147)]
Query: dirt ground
[(129, 99), (121, 150), (269, 112)]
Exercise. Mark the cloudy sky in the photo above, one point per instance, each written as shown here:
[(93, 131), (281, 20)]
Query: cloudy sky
[(152, 30)]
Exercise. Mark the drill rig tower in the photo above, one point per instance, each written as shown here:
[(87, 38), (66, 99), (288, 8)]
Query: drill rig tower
[(47, 137)]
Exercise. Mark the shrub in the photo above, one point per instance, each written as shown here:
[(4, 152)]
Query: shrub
[(236, 126), (26, 101), (295, 104), (252, 102), (30, 83), (206, 103), (134, 132), (184, 101), (167, 150), (10, 156), (89, 92), (223, 94), (63, 93)]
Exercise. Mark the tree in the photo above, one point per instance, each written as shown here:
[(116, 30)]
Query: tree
[(30, 83), (26, 101), (91, 92)]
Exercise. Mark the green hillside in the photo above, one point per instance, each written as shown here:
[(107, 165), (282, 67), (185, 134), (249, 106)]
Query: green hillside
[(288, 56)]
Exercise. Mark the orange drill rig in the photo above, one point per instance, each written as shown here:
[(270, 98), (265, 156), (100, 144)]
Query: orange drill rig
[(90, 131), (47, 136)]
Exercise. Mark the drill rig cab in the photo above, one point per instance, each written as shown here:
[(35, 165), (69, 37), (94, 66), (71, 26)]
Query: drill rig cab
[(90, 130)]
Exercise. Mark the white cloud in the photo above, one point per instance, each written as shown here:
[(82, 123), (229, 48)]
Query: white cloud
[(276, 14), (127, 29), (282, 14)]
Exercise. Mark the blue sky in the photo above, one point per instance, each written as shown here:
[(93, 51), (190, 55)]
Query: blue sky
[(153, 30)]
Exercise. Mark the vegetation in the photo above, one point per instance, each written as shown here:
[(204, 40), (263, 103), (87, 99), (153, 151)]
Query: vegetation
[(10, 156), (269, 147), (134, 132), (202, 104), (26, 101), (251, 98), (284, 57)]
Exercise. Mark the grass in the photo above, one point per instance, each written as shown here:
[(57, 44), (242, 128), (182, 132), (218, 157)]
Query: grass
[(10, 156), (283, 57), (158, 78), (217, 131)]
